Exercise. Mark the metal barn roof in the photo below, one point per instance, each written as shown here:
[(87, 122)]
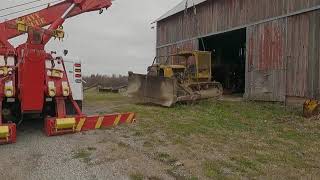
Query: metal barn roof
[(180, 7)]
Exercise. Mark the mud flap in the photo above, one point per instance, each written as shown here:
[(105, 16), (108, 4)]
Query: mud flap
[(151, 89)]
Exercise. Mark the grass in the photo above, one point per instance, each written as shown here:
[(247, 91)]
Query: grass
[(136, 176), (252, 137), (83, 155), (211, 170), (166, 158), (92, 96), (154, 178)]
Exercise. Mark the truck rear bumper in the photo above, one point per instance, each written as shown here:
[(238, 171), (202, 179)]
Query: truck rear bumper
[(8, 133), (58, 126)]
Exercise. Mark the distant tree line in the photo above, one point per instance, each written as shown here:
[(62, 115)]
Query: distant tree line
[(105, 80)]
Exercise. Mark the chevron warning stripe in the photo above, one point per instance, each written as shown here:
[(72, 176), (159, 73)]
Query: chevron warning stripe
[(85, 123), (99, 122)]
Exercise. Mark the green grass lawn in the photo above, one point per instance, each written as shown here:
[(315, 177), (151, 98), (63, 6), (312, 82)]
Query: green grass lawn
[(229, 139)]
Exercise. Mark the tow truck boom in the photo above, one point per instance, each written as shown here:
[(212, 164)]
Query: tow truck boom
[(56, 13)]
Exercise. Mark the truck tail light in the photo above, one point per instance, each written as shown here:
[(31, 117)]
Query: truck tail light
[(8, 89), (77, 65), (78, 75), (51, 88), (56, 73), (65, 88), (77, 70)]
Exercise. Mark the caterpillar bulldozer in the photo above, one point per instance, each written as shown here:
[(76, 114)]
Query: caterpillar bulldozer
[(183, 77)]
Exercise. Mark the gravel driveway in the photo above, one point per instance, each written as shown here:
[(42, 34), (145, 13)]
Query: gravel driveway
[(101, 154)]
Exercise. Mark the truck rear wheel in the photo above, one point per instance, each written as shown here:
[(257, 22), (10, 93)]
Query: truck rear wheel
[(11, 112), (49, 109)]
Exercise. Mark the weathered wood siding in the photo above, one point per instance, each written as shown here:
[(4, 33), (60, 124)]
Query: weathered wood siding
[(184, 46), (266, 54), (214, 16), (283, 53), (283, 58), (303, 55)]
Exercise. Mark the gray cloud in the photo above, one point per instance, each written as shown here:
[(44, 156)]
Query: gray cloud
[(119, 40)]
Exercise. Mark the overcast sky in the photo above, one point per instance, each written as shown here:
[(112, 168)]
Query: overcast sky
[(118, 41)]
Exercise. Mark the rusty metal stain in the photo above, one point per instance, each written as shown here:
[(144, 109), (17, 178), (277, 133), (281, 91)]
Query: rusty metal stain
[(266, 46)]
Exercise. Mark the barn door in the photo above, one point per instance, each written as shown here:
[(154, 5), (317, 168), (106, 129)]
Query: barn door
[(265, 66)]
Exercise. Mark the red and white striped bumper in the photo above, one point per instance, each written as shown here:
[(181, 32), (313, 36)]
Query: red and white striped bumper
[(58, 126)]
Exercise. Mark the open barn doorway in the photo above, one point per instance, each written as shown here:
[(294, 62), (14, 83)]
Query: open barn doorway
[(228, 59)]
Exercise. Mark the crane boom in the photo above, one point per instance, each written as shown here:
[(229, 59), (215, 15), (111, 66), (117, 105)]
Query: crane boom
[(50, 15)]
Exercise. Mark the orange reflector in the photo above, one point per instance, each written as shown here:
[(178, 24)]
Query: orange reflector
[(77, 70)]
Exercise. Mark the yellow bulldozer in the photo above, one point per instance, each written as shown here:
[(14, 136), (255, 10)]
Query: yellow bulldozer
[(181, 77)]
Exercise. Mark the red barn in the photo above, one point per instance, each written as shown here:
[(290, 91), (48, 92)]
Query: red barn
[(263, 49)]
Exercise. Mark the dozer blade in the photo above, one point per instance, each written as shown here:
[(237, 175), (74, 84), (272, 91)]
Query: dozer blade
[(150, 89)]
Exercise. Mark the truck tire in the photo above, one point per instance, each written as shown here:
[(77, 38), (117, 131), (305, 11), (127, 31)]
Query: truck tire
[(49, 109), (11, 111)]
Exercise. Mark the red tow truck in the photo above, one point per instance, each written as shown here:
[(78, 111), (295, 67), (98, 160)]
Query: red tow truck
[(32, 81)]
